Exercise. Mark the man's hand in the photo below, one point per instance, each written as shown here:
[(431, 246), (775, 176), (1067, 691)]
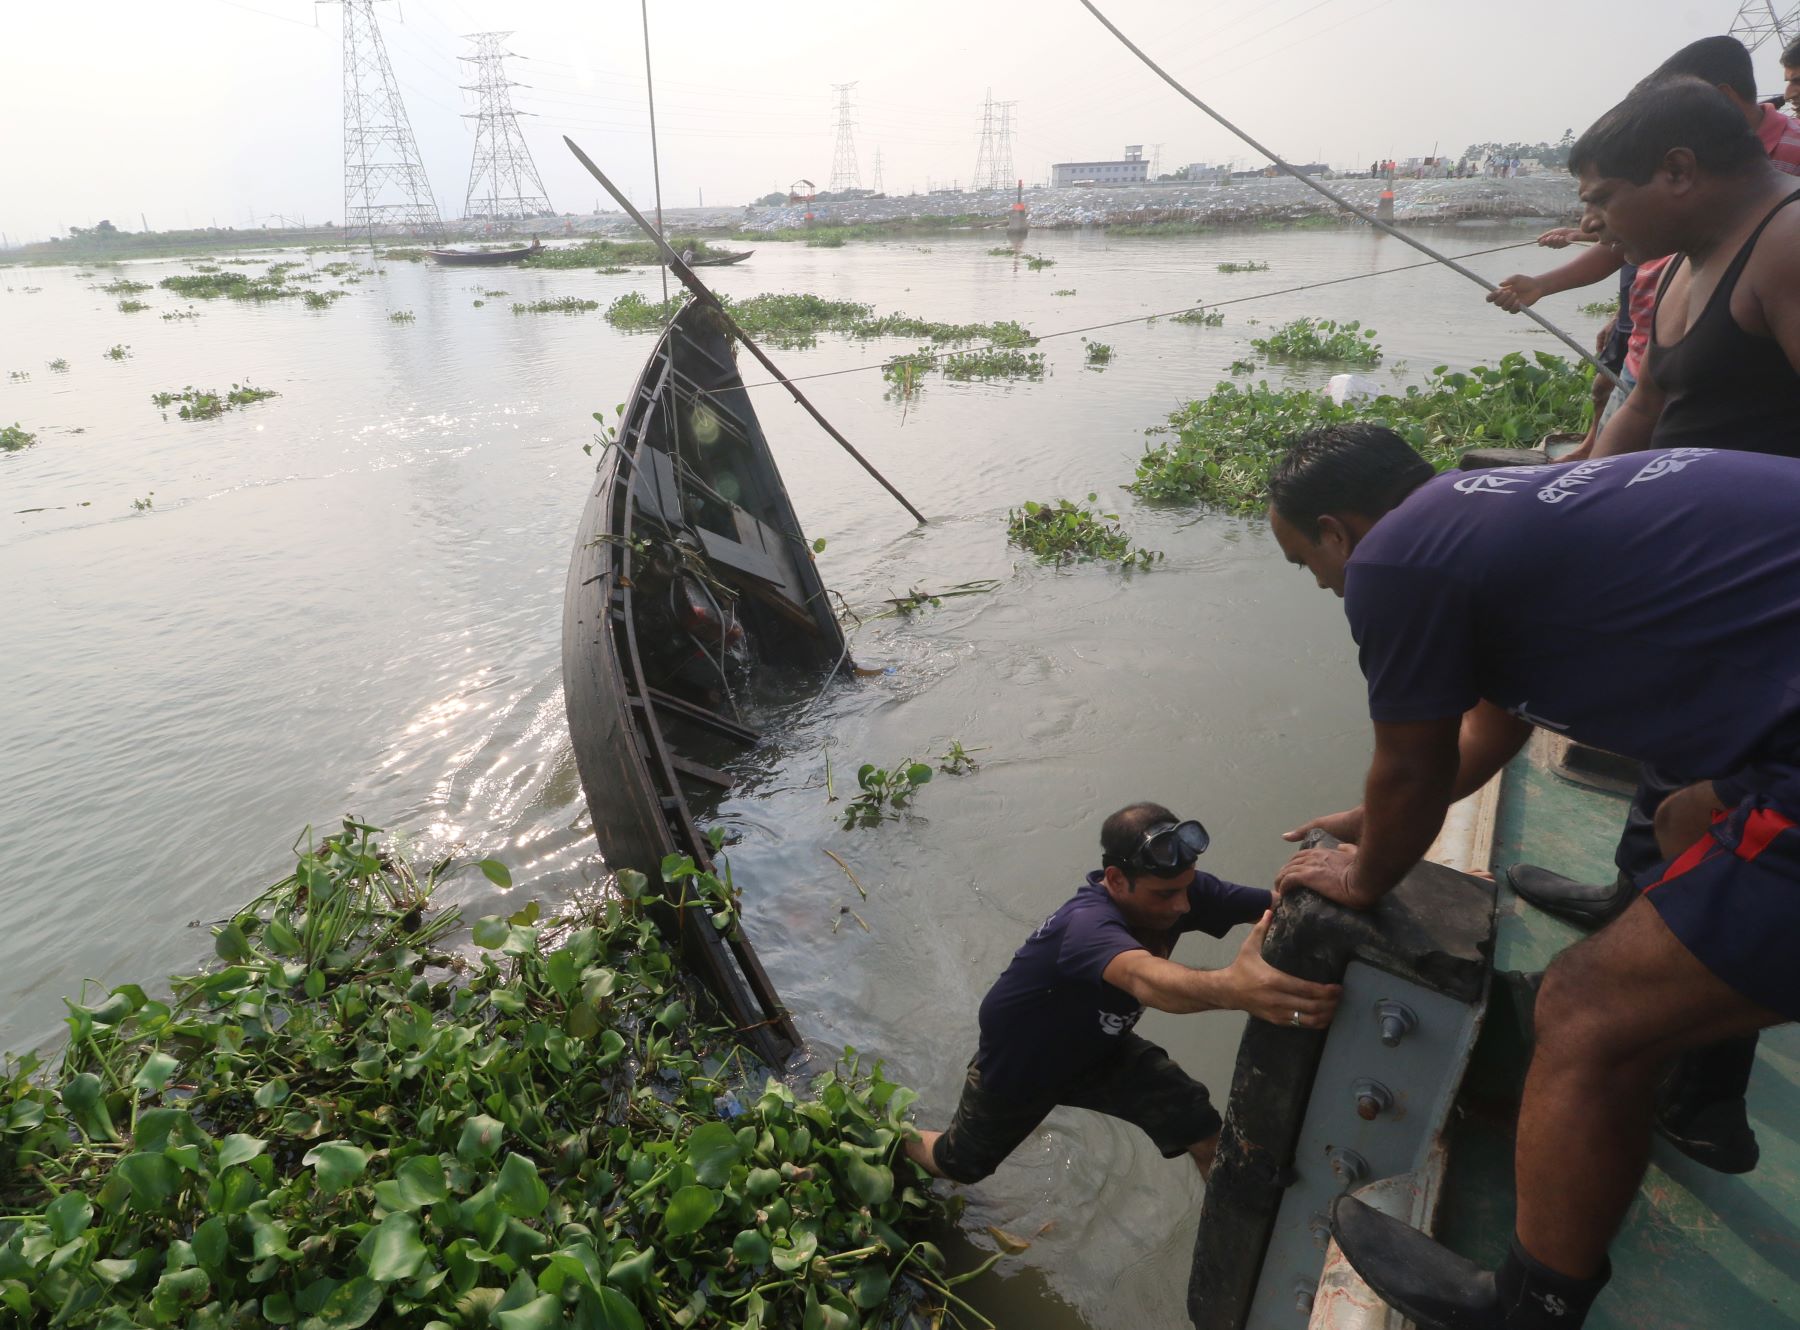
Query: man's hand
[(1273, 995), (1516, 293), (1328, 872), (1345, 826), (1558, 237)]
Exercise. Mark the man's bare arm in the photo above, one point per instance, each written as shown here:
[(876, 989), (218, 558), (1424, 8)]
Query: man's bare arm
[(1590, 266), (1632, 424), (1411, 780), (1486, 741), (1249, 984)]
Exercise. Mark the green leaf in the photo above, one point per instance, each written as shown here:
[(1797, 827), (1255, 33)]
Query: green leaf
[(559, 968), (520, 1190), (672, 1015), (392, 1249), (689, 1209), (490, 933), (712, 1150), (153, 1179), (541, 1313), (238, 1148), (496, 872), (85, 1098), (212, 1244), (271, 1093), (481, 1137), (630, 883), (751, 1248), (350, 1305), (315, 984), (178, 1292), (918, 773), (631, 1271), (231, 944), (155, 1073), (871, 1287), (337, 1163), (68, 1216), (872, 1185), (615, 1311), (419, 1181)]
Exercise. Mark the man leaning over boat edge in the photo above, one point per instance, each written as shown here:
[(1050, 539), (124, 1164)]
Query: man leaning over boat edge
[(1056, 1027), (1680, 644)]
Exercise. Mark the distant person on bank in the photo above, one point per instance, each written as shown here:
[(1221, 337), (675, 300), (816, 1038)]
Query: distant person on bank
[(1056, 1027)]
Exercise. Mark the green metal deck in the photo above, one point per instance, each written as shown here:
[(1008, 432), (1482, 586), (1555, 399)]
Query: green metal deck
[(1698, 1249)]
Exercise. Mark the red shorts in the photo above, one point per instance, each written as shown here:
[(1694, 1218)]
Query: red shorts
[(1733, 899)]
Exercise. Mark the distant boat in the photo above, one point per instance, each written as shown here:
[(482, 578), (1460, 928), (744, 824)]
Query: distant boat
[(718, 258), (484, 258)]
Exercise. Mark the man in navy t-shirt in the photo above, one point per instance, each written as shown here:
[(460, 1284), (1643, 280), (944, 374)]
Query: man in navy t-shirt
[(1056, 1028), (1648, 604)]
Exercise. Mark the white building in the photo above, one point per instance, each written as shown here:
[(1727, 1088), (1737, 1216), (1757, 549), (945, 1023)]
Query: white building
[(1132, 169)]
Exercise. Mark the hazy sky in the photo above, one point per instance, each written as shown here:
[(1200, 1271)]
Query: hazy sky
[(195, 111)]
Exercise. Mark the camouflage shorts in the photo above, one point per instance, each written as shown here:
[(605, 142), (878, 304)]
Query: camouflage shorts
[(1141, 1085)]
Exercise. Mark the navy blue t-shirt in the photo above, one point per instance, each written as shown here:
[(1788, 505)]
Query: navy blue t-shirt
[(1648, 604), (1050, 1017)]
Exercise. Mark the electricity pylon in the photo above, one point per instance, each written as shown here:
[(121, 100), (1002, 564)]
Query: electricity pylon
[(503, 180), (984, 155), (1759, 20), (844, 172), (384, 178)]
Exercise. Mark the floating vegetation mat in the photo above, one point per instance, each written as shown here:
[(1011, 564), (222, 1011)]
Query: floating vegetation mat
[(13, 438), (1199, 317), (343, 1124), (1064, 532), (792, 321), (132, 307), (124, 286), (1321, 340), (204, 404), (559, 305), (1224, 444), (614, 254), (1099, 355), (1250, 266), (1601, 309)]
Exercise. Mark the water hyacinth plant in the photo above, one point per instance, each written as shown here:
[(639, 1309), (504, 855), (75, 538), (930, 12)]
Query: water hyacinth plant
[(1064, 532), (1199, 317), (204, 404), (343, 1124), (885, 792), (1251, 266), (132, 307), (1099, 355), (558, 305), (994, 363), (1223, 445), (1307, 339), (13, 438)]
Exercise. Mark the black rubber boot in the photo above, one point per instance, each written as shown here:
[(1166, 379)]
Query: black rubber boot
[(1589, 904), (1439, 1290), (1700, 1106)]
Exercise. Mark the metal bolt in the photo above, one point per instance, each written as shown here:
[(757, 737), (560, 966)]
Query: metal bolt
[(1319, 1228), (1397, 1021), (1372, 1099), (1303, 1297), (1347, 1166)]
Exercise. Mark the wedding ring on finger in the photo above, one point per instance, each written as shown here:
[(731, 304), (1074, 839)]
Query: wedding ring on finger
[(1294, 1019)]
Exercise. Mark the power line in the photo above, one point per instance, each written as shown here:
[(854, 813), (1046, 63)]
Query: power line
[(1758, 20)]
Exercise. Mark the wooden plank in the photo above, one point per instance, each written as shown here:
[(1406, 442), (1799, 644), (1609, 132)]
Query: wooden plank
[(700, 771), (711, 720)]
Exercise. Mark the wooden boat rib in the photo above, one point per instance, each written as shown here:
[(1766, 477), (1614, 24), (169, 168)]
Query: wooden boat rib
[(484, 258), (689, 568)]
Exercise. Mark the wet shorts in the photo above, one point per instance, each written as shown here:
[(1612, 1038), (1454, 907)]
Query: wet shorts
[(1733, 899), (1140, 1085)]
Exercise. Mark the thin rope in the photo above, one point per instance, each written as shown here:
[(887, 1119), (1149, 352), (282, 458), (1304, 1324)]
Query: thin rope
[(655, 159), (1140, 318), (1340, 200)]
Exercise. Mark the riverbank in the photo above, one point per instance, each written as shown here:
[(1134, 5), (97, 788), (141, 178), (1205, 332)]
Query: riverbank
[(349, 1121)]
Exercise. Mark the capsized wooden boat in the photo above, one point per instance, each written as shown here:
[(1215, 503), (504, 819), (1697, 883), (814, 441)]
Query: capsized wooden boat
[(484, 258), (690, 578)]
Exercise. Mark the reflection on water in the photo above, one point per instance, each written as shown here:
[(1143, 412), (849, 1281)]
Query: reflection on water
[(348, 599)]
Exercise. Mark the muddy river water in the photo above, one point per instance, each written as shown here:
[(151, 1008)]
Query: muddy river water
[(348, 598)]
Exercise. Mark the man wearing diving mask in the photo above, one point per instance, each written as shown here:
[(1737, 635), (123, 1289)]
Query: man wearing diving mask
[(1056, 1027)]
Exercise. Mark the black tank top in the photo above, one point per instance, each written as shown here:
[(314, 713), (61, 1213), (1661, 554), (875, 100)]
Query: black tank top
[(1725, 387)]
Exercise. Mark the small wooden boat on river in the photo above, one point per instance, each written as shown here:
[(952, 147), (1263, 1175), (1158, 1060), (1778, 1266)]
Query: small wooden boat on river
[(485, 258), (690, 578), (718, 258)]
